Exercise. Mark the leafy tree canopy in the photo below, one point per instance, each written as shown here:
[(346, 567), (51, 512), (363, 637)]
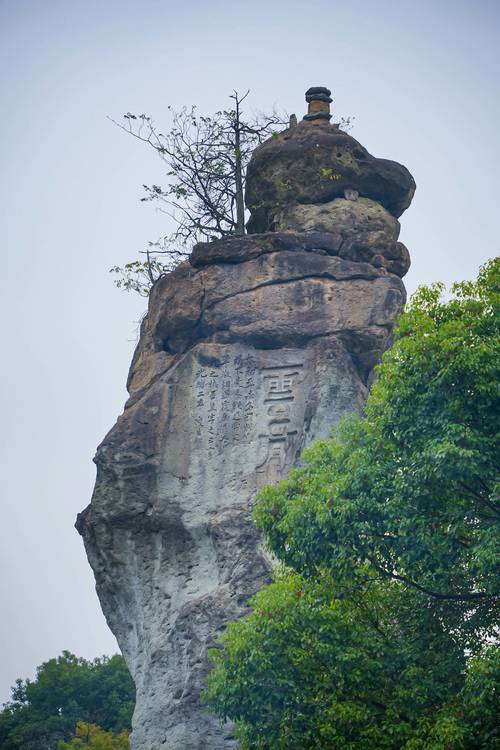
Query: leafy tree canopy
[(66, 690), (93, 737), (378, 631)]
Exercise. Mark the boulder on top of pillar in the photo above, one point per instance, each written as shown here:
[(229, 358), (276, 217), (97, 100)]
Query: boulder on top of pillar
[(315, 162)]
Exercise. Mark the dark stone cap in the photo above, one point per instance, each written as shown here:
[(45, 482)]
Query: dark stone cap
[(317, 116), (318, 93), (318, 99)]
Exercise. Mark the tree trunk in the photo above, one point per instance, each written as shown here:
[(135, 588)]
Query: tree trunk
[(238, 176)]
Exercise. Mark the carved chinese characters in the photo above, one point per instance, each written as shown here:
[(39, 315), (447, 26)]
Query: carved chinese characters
[(279, 442), (256, 407), (225, 403)]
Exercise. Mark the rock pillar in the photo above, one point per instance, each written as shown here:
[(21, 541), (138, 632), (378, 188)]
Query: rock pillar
[(250, 350)]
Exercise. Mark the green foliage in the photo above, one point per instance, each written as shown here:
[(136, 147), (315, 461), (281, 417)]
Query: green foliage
[(375, 638), (94, 738), (313, 667), (329, 174), (206, 157), (67, 690), (413, 488), (140, 275)]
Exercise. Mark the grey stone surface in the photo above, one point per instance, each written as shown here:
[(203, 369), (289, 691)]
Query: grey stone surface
[(250, 350), (363, 222), (315, 163), (169, 533), (346, 238), (365, 228)]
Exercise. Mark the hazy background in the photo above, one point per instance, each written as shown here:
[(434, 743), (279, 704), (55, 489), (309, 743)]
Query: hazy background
[(421, 78)]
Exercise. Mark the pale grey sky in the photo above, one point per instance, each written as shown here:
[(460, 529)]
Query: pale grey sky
[(421, 78)]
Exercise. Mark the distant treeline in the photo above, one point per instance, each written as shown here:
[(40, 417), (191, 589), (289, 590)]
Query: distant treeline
[(72, 703)]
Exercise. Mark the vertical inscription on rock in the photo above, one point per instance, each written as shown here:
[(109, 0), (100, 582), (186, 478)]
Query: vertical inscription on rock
[(225, 404), (282, 420), (249, 416)]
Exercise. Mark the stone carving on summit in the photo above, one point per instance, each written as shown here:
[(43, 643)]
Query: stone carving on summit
[(250, 350)]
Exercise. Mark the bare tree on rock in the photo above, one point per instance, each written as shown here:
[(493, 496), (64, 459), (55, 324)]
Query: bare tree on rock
[(206, 159)]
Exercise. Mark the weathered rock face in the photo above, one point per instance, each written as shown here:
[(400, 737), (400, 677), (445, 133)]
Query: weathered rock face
[(250, 350), (315, 164)]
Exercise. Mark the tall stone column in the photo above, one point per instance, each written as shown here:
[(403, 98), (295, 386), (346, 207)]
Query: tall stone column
[(250, 350)]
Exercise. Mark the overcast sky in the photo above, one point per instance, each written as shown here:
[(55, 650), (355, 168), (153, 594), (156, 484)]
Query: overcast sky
[(421, 79)]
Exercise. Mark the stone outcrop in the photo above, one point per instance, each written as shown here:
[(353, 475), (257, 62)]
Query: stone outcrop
[(250, 350), (315, 162)]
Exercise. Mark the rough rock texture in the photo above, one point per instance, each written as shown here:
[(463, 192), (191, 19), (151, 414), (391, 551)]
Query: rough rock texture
[(317, 163), (250, 350), (365, 229)]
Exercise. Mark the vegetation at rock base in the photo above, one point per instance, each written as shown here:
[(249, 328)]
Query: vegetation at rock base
[(68, 691), (94, 738), (379, 630)]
